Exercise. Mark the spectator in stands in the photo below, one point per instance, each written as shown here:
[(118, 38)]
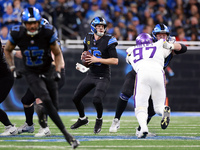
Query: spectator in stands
[(107, 7), (49, 12), (136, 22), (70, 21), (3, 6), (134, 9), (60, 10), (146, 16), (4, 33), (193, 26), (180, 34), (120, 4), (147, 29), (194, 11), (131, 33), (150, 22), (129, 17), (187, 9), (82, 22), (110, 28), (86, 7), (17, 8), (93, 12), (9, 19), (159, 18), (34, 3), (117, 34), (122, 27), (117, 16)]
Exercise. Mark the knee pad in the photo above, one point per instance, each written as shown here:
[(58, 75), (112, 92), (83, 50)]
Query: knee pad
[(124, 97)]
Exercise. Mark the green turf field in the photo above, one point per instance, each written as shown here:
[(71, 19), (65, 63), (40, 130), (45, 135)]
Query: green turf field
[(182, 133)]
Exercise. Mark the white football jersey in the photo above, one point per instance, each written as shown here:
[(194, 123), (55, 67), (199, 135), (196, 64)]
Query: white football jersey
[(147, 56)]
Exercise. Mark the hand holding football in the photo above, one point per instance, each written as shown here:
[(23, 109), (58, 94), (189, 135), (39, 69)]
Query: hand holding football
[(84, 56)]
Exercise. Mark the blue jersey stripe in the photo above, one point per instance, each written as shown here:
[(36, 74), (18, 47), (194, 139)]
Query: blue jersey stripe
[(112, 40), (54, 37)]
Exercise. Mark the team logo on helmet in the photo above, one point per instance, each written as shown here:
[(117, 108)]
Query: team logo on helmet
[(98, 21)]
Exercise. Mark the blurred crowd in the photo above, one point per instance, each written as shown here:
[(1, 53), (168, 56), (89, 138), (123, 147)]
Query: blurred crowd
[(125, 18)]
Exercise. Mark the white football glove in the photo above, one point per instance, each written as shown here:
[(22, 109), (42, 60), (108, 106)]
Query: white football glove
[(81, 68), (172, 39), (168, 45), (127, 59)]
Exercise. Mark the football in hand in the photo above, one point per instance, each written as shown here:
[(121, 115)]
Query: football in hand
[(85, 55)]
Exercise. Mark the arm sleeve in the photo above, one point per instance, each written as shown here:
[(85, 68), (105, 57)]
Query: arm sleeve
[(183, 49)]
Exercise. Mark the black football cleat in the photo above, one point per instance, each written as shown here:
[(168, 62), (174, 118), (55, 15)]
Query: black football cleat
[(166, 117), (74, 143), (80, 123), (98, 124), (71, 140)]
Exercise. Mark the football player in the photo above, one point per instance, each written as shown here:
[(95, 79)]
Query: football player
[(147, 59), (6, 83), (28, 100), (36, 43), (128, 86), (103, 49)]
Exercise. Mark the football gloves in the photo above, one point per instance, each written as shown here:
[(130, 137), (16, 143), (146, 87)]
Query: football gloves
[(168, 45), (17, 74), (81, 68)]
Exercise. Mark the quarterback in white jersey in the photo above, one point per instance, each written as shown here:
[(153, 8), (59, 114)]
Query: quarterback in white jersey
[(147, 59)]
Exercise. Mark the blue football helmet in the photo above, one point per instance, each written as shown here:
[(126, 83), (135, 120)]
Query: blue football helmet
[(98, 21), (144, 38), (160, 28), (31, 14), (44, 21)]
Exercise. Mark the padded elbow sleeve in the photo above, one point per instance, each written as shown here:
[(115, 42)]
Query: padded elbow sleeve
[(183, 49)]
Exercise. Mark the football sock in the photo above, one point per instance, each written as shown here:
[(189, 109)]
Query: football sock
[(82, 118), (4, 118), (121, 105), (148, 120), (29, 114)]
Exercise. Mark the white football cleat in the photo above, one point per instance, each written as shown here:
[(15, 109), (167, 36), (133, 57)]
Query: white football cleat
[(143, 132), (43, 132), (150, 134), (9, 130), (26, 128), (115, 125)]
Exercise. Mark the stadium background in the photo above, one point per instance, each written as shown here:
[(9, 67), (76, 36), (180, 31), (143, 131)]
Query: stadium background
[(183, 90)]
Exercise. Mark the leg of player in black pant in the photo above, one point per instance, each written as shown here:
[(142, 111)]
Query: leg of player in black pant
[(27, 101), (41, 112), (39, 87), (127, 92), (42, 116), (6, 84)]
